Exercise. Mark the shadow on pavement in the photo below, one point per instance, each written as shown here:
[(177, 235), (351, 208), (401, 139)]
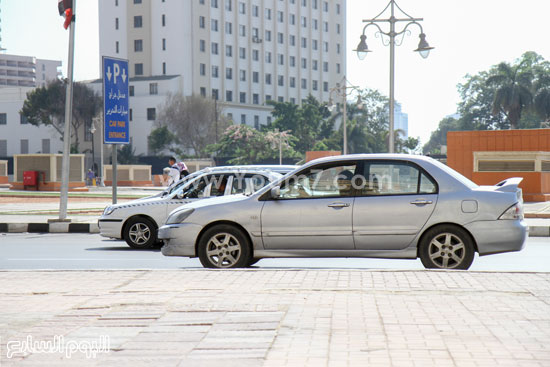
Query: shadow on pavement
[(121, 249)]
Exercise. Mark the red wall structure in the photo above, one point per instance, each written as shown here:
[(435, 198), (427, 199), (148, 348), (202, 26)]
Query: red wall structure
[(461, 146)]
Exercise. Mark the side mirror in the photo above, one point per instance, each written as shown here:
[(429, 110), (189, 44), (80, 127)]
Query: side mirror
[(179, 195), (275, 192)]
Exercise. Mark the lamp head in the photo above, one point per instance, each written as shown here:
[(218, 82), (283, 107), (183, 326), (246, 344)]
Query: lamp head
[(359, 102), (423, 46), (362, 48), (331, 105)]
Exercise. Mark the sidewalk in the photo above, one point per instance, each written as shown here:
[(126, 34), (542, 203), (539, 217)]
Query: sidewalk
[(275, 318), (28, 211)]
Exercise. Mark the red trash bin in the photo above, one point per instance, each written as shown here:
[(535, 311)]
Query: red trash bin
[(30, 178)]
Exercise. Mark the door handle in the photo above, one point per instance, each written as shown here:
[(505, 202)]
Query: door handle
[(338, 205), (421, 202)]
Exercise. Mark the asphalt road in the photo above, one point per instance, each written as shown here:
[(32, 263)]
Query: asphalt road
[(93, 252)]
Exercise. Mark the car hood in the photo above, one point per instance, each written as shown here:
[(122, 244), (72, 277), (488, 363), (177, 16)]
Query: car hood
[(138, 202), (214, 201)]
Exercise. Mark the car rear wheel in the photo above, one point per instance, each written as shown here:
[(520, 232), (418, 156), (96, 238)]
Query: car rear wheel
[(224, 246), (253, 261), (140, 233), (446, 247)]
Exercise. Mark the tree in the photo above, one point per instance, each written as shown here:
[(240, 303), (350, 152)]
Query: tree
[(127, 155), (542, 90), (439, 136), (512, 91), (161, 138), (249, 146), (502, 97), (195, 121), (305, 122), (46, 106), (475, 108)]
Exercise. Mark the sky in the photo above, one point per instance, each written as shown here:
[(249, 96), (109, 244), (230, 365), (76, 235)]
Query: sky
[(469, 36)]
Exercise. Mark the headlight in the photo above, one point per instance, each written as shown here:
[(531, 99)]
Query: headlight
[(109, 210), (179, 216), (515, 212)]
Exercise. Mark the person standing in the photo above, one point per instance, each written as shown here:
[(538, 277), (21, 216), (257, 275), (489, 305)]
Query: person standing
[(178, 170)]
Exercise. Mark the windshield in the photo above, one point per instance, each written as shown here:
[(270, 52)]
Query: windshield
[(175, 187)]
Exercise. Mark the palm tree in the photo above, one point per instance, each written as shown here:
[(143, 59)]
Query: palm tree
[(513, 91), (542, 97)]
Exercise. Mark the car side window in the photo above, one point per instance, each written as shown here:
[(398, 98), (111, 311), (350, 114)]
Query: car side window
[(197, 189), (332, 180), (427, 185), (219, 183), (396, 178), (242, 183), (239, 184)]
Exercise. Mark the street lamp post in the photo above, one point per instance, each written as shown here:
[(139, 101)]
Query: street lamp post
[(362, 49), (92, 131), (341, 89)]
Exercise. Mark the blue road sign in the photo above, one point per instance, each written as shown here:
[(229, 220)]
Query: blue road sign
[(115, 101)]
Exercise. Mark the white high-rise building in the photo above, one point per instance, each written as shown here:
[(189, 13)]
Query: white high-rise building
[(20, 75), (27, 71), (242, 53), (401, 120)]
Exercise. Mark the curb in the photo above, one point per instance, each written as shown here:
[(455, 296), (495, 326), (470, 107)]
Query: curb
[(534, 231), (49, 228)]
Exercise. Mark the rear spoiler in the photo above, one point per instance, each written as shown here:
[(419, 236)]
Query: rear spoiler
[(509, 185)]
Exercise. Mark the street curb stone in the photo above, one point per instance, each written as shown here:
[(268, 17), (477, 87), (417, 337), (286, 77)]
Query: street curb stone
[(49, 227), (539, 231)]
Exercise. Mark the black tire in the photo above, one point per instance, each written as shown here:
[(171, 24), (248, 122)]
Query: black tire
[(224, 246), (253, 261), (140, 233), (446, 247)]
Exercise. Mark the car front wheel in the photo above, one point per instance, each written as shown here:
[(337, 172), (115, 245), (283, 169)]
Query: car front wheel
[(224, 246), (446, 247), (140, 233)]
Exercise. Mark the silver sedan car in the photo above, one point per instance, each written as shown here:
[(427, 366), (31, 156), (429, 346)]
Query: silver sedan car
[(383, 205)]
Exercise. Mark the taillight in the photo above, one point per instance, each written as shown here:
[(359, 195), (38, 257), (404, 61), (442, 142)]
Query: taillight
[(515, 212)]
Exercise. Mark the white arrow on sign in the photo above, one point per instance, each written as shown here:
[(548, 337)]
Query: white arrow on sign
[(109, 74), (124, 75)]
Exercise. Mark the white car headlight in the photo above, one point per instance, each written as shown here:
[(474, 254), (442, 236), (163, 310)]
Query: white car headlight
[(179, 216), (515, 212), (109, 210)]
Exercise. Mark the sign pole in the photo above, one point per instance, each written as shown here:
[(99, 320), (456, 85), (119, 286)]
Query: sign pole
[(101, 173), (115, 176), (65, 165)]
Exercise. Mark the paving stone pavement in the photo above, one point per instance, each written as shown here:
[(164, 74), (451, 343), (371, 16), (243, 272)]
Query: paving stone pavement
[(258, 317)]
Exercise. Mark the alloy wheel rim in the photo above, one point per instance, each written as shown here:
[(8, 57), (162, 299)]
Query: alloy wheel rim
[(446, 251), (223, 250), (139, 233)]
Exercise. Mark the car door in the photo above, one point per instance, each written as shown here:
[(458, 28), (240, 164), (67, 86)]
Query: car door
[(313, 211), (395, 202)]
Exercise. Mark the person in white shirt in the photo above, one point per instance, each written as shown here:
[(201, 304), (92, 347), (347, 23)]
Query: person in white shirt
[(177, 170)]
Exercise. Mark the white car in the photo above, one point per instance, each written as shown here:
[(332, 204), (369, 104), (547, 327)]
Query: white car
[(137, 221)]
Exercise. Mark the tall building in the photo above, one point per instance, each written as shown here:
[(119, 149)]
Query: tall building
[(242, 53), (19, 75), (27, 71), (401, 120)]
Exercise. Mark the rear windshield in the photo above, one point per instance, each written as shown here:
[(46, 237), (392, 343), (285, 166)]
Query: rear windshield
[(465, 181)]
